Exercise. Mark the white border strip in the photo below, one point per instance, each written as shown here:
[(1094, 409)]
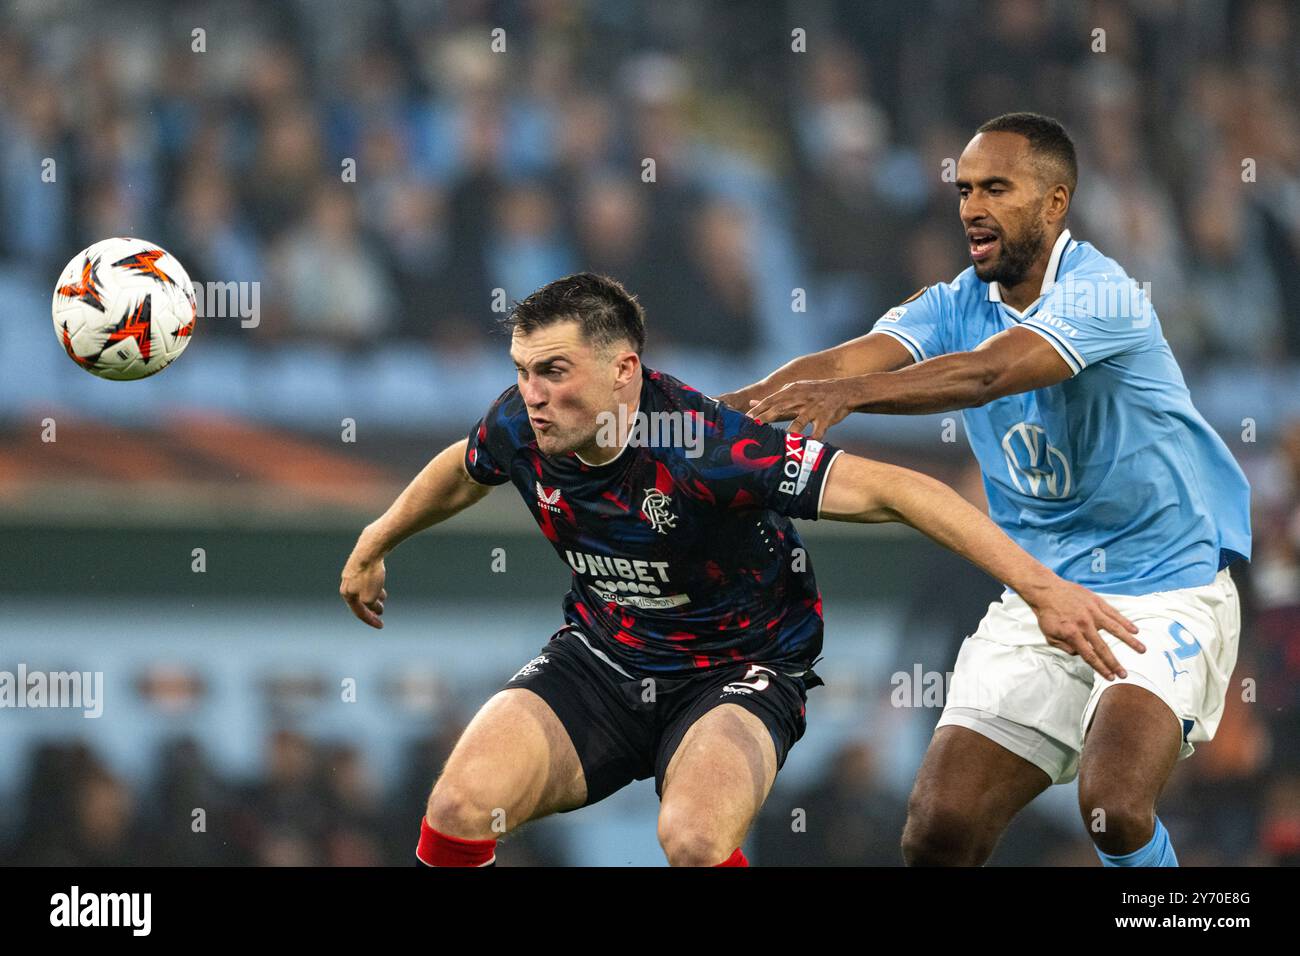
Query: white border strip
[(913, 346), (1067, 352), (821, 493)]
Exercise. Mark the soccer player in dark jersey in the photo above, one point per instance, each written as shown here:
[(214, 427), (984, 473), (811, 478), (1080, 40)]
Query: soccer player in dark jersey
[(694, 620)]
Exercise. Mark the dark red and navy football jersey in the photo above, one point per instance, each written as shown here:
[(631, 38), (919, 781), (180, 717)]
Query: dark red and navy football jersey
[(683, 555)]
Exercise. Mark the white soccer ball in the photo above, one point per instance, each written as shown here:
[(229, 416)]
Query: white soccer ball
[(124, 309)]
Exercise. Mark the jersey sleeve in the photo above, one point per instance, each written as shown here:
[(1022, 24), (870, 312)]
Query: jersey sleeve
[(920, 323), (1091, 319), (492, 442), (749, 464)]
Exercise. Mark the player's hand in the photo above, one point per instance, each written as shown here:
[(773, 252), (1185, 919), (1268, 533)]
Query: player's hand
[(740, 399), (1071, 616), (821, 403), (363, 589)]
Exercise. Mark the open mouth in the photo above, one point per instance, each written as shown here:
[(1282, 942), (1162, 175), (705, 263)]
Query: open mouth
[(982, 243)]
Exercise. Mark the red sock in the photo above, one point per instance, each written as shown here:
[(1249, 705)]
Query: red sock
[(736, 859), (438, 849)]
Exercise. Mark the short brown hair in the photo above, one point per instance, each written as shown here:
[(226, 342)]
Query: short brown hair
[(607, 312)]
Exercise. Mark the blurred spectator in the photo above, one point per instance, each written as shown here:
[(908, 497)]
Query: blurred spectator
[(353, 833), (282, 819), (1281, 825), (527, 248), (215, 242), (77, 813), (1275, 570), (1274, 592), (713, 304), (189, 809), (336, 285), (846, 818), (853, 190), (1230, 266), (37, 220)]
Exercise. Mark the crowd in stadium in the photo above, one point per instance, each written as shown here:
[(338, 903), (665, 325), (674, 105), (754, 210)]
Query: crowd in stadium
[(384, 179), (318, 804)]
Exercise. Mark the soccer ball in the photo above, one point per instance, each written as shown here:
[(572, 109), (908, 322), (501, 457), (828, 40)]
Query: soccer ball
[(124, 309)]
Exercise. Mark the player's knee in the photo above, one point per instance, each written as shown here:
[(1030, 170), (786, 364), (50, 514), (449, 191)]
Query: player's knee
[(942, 834), (1118, 823), (689, 840), (465, 811)]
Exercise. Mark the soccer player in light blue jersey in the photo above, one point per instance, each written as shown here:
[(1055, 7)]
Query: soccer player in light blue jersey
[(1096, 462)]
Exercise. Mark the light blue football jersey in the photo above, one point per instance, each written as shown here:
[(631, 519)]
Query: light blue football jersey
[(1111, 478)]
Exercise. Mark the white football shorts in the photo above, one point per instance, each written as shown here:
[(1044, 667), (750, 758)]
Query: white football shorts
[(1010, 685)]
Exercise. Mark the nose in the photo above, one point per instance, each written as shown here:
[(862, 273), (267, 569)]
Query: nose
[(972, 211), (533, 391)]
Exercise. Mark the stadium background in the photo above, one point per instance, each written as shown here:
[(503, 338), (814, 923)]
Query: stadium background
[(478, 171)]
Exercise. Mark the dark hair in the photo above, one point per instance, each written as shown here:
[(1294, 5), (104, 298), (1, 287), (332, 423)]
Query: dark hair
[(607, 312), (1047, 139)]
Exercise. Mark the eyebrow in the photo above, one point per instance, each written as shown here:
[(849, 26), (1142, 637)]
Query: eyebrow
[(542, 362), (986, 183)]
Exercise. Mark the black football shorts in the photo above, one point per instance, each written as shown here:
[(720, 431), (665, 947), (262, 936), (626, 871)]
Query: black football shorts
[(625, 728)]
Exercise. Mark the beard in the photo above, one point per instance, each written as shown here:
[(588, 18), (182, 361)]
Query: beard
[(1016, 258)]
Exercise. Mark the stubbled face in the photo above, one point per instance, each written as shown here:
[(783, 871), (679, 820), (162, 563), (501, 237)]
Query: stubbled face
[(1003, 206), (566, 384)]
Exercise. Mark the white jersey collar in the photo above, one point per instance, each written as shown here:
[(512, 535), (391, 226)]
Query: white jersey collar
[(1049, 274), (602, 464)]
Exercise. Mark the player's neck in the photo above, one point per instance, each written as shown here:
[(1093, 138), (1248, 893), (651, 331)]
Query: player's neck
[(1022, 295), (616, 424), (1025, 292)]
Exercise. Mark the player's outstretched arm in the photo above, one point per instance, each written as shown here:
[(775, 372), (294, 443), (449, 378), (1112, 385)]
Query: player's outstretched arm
[(1069, 616), (443, 488), (868, 353), (1016, 360)]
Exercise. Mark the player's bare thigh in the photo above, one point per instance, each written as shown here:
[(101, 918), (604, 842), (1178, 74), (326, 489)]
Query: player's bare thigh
[(966, 792), (514, 763), (714, 786)]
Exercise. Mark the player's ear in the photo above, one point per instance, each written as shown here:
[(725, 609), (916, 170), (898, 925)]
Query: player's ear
[(1058, 202), (627, 367)]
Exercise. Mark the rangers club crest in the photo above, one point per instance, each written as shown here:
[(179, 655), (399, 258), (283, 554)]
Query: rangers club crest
[(656, 510)]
